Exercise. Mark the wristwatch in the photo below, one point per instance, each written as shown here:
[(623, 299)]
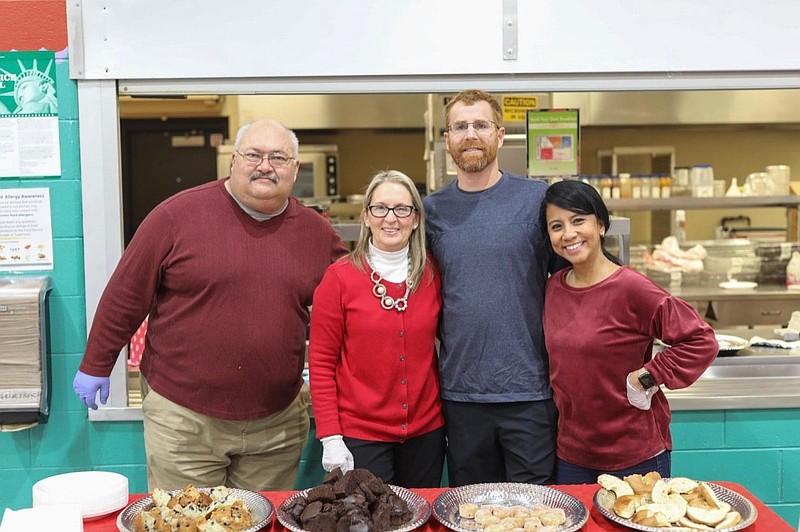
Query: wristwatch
[(646, 380)]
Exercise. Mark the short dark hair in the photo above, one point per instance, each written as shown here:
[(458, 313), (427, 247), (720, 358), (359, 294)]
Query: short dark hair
[(578, 197)]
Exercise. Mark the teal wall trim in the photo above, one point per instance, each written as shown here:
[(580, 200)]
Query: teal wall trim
[(759, 449)]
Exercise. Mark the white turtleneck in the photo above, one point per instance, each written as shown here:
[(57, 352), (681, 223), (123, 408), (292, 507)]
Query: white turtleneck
[(391, 265)]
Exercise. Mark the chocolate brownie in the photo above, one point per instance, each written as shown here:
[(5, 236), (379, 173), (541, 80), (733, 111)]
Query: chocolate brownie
[(356, 501), (323, 493)]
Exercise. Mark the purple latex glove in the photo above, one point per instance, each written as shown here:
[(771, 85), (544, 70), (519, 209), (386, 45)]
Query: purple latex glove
[(86, 387)]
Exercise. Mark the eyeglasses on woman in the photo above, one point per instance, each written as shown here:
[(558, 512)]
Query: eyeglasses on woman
[(382, 211)]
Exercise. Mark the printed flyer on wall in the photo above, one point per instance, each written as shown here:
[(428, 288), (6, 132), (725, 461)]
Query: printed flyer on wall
[(26, 232), (553, 142), (29, 145)]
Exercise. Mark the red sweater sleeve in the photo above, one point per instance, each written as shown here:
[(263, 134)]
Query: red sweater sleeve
[(129, 293), (693, 346), (325, 347)]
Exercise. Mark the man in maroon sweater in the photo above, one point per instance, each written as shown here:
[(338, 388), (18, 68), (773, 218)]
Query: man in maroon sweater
[(226, 272)]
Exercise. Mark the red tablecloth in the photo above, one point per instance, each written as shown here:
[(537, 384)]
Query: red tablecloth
[(767, 521)]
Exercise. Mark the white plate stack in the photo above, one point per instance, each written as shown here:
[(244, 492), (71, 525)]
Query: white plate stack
[(98, 493)]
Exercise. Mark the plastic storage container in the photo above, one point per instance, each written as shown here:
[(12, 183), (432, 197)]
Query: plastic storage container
[(732, 266), (701, 181), (645, 186), (636, 187), (666, 185), (655, 186), (605, 186), (780, 176), (625, 191)]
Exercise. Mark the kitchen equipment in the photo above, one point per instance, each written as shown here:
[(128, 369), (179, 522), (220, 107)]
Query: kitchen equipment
[(729, 231), (739, 503), (445, 507), (729, 345), (733, 190), (261, 510), (98, 493), (419, 507)]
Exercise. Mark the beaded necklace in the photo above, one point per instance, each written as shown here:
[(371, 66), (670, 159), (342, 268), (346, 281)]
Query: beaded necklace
[(379, 291)]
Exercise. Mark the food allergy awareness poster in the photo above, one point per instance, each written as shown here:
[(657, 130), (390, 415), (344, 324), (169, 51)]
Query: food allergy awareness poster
[(26, 232), (553, 142), (28, 115)]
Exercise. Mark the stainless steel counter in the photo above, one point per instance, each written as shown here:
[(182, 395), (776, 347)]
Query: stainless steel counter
[(756, 377), (760, 306)]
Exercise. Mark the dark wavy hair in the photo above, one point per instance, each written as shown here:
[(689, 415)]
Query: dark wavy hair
[(581, 198)]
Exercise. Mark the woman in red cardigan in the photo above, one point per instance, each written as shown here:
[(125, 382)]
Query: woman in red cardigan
[(372, 358)]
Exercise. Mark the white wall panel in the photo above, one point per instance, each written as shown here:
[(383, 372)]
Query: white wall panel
[(153, 39)]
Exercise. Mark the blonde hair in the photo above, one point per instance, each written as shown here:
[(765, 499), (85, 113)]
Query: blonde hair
[(417, 257)]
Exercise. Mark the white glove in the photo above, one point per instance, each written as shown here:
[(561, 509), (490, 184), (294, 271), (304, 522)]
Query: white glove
[(640, 398), (336, 454)]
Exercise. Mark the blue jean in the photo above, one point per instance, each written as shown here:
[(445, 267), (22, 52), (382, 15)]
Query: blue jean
[(567, 473)]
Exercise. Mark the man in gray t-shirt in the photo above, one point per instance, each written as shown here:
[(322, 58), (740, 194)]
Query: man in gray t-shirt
[(484, 231)]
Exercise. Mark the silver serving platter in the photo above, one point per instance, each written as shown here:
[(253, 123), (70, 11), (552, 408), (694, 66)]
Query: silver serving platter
[(604, 501), (419, 507), (445, 507), (261, 510), (731, 343)]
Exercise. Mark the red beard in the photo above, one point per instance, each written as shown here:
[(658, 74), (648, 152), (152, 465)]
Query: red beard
[(473, 161)]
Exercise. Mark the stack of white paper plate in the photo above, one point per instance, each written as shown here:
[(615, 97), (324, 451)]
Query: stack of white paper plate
[(98, 493)]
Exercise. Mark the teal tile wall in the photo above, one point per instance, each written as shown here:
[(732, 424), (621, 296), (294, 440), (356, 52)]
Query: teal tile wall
[(759, 449), (67, 324), (791, 475), (311, 471), (698, 430), (65, 199)]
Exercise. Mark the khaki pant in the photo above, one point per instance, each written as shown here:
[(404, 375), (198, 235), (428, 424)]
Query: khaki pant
[(185, 447)]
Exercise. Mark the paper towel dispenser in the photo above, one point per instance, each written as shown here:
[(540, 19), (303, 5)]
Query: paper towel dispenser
[(24, 346)]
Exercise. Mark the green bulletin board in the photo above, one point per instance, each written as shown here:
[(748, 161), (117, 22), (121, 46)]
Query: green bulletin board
[(29, 137), (553, 142)]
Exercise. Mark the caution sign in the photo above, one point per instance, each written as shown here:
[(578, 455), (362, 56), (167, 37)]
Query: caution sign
[(515, 108)]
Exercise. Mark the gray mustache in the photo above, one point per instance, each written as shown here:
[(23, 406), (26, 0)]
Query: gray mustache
[(258, 175)]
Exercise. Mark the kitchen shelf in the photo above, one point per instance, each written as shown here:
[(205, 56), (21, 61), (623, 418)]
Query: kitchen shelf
[(790, 203), (686, 203)]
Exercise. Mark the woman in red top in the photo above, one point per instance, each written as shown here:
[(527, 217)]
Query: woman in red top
[(600, 320), (372, 359)]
